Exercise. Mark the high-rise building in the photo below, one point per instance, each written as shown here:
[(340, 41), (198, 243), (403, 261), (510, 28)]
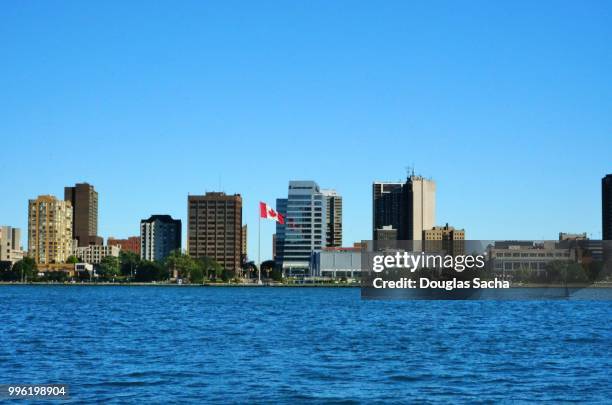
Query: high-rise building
[(84, 200), (333, 218), (308, 227), (418, 211), (386, 204), (606, 207), (49, 230), (409, 207), (159, 235), (10, 244), (215, 228), (131, 244)]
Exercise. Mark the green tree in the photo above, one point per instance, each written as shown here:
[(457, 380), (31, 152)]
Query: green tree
[(150, 271), (72, 259), (197, 274), (109, 267), (180, 263), (25, 269), (129, 262), (267, 267), (211, 268)]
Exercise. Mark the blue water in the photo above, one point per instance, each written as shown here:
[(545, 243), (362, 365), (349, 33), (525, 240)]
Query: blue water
[(159, 344)]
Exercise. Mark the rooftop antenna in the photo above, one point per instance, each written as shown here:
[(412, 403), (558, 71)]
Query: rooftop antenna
[(409, 170)]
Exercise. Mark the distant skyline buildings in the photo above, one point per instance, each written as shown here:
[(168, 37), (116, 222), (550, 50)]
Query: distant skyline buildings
[(313, 220), (386, 206), (333, 218), (418, 211), (410, 205), (409, 208), (159, 235), (49, 230), (84, 200), (215, 228)]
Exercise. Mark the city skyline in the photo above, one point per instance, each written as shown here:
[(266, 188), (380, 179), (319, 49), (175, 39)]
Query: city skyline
[(329, 192), (509, 115)]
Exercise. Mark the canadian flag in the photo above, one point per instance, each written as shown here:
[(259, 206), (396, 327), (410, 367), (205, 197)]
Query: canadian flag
[(265, 211)]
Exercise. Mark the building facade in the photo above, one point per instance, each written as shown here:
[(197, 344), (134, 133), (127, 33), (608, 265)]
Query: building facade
[(93, 254), (305, 228), (418, 211), (84, 200), (215, 228), (606, 207), (49, 230), (131, 244), (333, 218), (10, 244), (445, 238), (386, 205), (336, 263), (386, 232), (508, 257), (409, 208), (159, 235), (244, 250)]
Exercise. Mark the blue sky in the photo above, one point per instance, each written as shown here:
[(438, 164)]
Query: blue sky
[(507, 106)]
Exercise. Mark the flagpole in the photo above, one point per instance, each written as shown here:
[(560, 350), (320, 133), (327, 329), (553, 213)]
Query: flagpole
[(259, 251)]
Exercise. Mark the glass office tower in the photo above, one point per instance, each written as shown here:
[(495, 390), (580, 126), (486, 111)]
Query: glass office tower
[(305, 227)]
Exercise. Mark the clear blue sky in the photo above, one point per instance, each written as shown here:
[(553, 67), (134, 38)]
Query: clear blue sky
[(507, 106)]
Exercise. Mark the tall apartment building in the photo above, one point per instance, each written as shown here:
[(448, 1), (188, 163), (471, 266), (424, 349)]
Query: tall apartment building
[(84, 200), (606, 207), (409, 207), (131, 244), (308, 226), (49, 230), (159, 235), (333, 218), (215, 228), (10, 244)]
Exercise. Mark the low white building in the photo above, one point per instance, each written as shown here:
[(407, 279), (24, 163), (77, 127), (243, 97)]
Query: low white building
[(94, 254), (336, 263)]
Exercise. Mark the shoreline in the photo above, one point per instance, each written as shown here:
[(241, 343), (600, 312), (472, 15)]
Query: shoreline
[(278, 285)]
